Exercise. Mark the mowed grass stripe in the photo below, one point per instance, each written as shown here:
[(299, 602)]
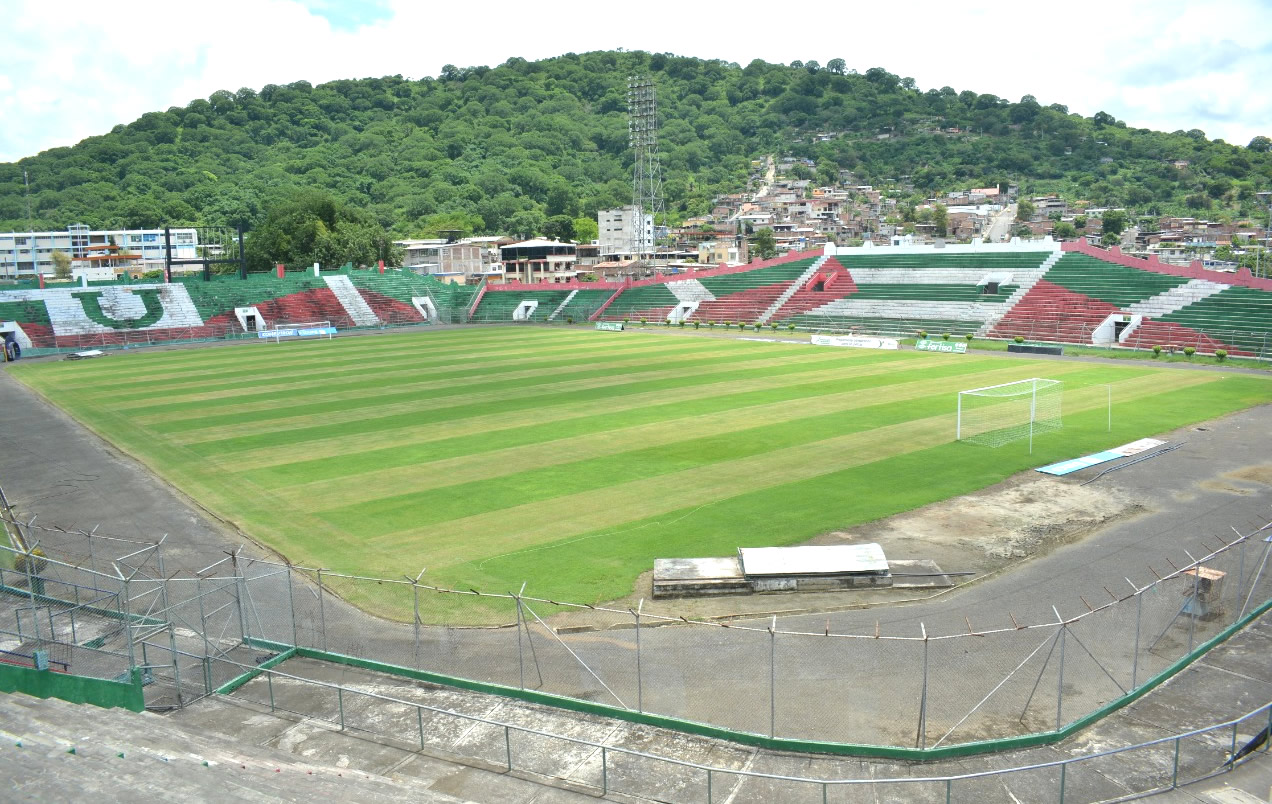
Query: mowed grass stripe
[(598, 565), (876, 407), (372, 398), (254, 355), (505, 432), (573, 415), (754, 426), (249, 436), (453, 541), (371, 381), (255, 358), (287, 375)]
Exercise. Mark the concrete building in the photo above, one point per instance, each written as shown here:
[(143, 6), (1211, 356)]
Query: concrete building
[(539, 261), (24, 254), (617, 232), (443, 259)]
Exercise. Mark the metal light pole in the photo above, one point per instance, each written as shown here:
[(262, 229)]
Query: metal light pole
[(1266, 198)]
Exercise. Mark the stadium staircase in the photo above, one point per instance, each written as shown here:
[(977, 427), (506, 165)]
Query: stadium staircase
[(651, 302), (582, 305), (792, 289), (564, 303), (744, 297), (354, 305)]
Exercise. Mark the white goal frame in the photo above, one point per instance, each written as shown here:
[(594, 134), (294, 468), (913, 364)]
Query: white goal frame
[(1044, 412)]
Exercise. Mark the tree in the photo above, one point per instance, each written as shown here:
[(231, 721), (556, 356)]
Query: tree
[(1114, 222), (1025, 210), (61, 264), (559, 227), (1260, 144), (1065, 230), (940, 219), (586, 230), (836, 66), (764, 244), (311, 226)]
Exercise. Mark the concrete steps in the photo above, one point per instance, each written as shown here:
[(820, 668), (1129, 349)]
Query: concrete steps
[(56, 751), (352, 301)]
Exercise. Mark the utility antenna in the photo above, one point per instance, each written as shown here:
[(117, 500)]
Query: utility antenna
[(27, 182), (642, 127)]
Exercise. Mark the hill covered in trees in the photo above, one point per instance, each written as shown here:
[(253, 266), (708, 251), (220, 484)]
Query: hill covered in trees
[(522, 147)]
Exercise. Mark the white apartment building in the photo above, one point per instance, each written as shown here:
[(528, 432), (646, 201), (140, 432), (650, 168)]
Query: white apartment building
[(617, 232), (24, 254)]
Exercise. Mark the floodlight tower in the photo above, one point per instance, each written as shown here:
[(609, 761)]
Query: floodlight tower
[(642, 129)]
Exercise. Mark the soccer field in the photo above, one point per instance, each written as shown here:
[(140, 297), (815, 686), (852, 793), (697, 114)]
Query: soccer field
[(571, 458)]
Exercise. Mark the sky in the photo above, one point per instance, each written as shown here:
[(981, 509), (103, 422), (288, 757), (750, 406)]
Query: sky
[(73, 69)]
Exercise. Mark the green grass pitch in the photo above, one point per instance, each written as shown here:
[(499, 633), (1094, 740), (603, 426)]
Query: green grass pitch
[(571, 458)]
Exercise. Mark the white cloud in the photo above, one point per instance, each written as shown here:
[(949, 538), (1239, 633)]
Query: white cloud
[(72, 70)]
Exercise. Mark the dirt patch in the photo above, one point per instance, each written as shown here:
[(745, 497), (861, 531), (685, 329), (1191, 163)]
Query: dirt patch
[(1241, 481), (1008, 522), (1015, 520)]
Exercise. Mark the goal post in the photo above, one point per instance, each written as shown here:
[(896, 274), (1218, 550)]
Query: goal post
[(1000, 414)]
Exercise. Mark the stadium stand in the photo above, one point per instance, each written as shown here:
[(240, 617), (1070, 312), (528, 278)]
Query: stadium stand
[(998, 292), (900, 294)]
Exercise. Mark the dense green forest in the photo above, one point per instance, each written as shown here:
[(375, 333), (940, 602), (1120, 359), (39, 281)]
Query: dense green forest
[(524, 146)]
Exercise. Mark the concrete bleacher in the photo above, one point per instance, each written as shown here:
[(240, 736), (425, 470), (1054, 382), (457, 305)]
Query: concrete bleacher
[(747, 296), (900, 294), (581, 304), (499, 306), (1081, 291), (58, 751), (1237, 316), (1108, 282), (651, 302)]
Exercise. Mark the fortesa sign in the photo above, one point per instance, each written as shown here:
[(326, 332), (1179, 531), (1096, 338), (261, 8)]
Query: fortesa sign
[(610, 326), (925, 345)]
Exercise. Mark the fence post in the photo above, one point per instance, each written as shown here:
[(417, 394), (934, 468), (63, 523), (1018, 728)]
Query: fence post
[(923, 695), (126, 606), (1193, 605), (1139, 612), (1060, 678), (322, 612), (29, 559), (508, 747), (521, 660), (340, 703), (640, 690), (291, 607), (604, 771), (773, 678)]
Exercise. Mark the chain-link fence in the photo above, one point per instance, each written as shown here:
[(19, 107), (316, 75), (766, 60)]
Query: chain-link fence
[(102, 606)]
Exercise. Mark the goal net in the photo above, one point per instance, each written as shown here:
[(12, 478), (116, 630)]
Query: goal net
[(999, 414)]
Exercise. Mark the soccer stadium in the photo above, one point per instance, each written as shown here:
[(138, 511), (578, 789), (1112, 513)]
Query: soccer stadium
[(364, 533)]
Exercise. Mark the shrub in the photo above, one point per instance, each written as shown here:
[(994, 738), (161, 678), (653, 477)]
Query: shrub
[(790, 327), (1189, 351), (774, 326), (923, 333), (682, 323), (569, 319), (1221, 354), (1157, 350), (643, 322), (945, 336), (697, 324), (626, 321), (1019, 339), (711, 324), (969, 336)]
